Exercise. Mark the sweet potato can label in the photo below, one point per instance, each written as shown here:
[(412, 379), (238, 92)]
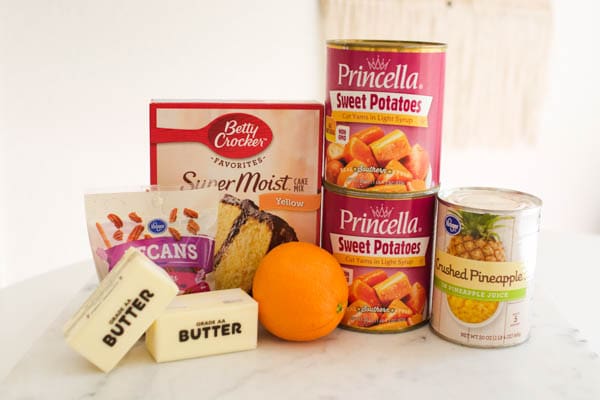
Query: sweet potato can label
[(384, 245), (384, 115)]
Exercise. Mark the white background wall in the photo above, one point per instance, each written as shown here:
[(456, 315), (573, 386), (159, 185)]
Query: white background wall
[(563, 167), (76, 78)]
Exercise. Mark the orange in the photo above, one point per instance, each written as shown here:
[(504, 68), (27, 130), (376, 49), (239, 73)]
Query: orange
[(301, 291)]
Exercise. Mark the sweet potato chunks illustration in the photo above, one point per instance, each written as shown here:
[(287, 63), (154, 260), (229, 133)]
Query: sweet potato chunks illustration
[(352, 176), (369, 135), (416, 298), (332, 170), (358, 315), (400, 311), (417, 162), (390, 163), (384, 303), (395, 287), (395, 173), (372, 278), (335, 151), (359, 290), (392, 146), (356, 149)]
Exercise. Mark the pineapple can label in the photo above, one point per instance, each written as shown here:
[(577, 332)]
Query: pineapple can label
[(486, 244), (383, 110), (384, 244)]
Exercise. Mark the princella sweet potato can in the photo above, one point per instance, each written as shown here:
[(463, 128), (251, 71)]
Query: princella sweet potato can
[(383, 136), (384, 244), (261, 160), (383, 110)]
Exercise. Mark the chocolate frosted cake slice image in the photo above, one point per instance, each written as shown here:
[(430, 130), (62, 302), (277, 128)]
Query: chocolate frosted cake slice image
[(244, 235)]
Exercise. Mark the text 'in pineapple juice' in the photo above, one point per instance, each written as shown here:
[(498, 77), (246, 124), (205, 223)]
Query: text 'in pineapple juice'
[(384, 243), (486, 245)]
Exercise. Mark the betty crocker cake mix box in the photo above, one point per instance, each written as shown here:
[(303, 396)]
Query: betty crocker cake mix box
[(263, 159)]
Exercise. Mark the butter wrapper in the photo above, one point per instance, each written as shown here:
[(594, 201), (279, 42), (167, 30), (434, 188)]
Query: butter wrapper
[(204, 324), (118, 312)]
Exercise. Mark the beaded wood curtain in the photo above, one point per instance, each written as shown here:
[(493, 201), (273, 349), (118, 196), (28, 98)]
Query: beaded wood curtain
[(496, 63)]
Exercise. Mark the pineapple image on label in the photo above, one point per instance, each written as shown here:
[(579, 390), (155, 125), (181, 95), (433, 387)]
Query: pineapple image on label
[(477, 240)]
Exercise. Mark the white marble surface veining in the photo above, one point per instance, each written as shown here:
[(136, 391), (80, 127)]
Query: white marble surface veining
[(560, 361), (553, 364)]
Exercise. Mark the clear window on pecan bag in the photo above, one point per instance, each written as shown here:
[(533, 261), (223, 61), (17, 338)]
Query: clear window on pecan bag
[(174, 228)]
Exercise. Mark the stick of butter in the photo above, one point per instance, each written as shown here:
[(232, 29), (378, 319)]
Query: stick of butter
[(123, 306), (202, 324)]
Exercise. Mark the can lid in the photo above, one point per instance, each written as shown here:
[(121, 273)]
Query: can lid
[(489, 199), (380, 195), (387, 45)]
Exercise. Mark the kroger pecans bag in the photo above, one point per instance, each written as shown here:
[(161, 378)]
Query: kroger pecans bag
[(174, 228)]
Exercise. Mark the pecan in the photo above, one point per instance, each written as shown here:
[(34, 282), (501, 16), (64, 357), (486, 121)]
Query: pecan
[(103, 235), (173, 215), (193, 227), (118, 235), (188, 212), (134, 217), (114, 218), (135, 233), (175, 233)]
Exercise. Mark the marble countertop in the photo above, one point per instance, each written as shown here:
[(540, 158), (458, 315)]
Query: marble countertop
[(560, 360)]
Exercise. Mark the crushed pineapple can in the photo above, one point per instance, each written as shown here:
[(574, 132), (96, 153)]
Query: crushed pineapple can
[(384, 243), (486, 245)]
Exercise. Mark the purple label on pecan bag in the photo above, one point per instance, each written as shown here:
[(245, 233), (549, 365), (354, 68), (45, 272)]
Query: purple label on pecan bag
[(187, 260)]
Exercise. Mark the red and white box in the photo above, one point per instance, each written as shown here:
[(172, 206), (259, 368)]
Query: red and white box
[(269, 153)]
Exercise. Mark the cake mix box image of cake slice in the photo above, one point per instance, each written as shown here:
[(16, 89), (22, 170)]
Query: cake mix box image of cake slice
[(261, 161), (174, 228), (245, 234)]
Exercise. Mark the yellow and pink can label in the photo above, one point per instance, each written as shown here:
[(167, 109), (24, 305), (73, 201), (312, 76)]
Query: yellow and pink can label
[(384, 244), (383, 110)]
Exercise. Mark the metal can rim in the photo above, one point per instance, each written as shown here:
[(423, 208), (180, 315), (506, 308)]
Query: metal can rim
[(400, 46), (382, 332), (445, 192), (380, 195)]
